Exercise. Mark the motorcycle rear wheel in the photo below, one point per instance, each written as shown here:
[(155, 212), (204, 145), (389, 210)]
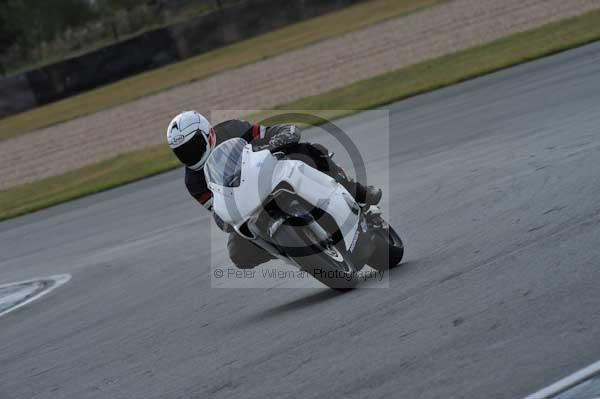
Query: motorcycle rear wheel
[(389, 249)]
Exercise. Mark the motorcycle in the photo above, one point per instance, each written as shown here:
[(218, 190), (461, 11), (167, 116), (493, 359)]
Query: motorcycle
[(299, 214)]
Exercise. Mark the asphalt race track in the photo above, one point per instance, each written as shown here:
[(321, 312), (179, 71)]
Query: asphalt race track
[(495, 186)]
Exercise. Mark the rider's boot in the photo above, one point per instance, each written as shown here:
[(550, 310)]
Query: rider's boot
[(372, 195)]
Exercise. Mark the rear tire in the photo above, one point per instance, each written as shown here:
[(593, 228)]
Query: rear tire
[(389, 249)]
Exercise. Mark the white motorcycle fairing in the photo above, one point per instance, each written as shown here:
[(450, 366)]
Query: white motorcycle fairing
[(262, 173)]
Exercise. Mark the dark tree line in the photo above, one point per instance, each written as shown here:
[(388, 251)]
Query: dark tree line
[(29, 22)]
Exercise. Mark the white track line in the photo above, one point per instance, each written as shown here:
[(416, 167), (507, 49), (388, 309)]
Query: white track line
[(567, 382), (57, 281)]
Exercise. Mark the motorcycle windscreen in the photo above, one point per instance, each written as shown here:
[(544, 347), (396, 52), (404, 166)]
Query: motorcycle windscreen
[(224, 166)]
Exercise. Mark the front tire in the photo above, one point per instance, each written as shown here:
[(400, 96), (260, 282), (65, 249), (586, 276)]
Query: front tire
[(330, 264), (333, 269)]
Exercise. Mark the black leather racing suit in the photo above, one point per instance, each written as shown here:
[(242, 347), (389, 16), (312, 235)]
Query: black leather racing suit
[(242, 252)]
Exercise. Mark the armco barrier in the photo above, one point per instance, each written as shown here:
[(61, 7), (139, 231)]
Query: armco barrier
[(15, 95), (149, 50)]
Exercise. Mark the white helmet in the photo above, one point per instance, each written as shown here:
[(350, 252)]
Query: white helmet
[(192, 138)]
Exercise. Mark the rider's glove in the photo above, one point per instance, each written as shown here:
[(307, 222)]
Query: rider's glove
[(280, 136)]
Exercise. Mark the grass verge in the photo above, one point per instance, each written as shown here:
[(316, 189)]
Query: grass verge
[(85, 181), (199, 67), (377, 91)]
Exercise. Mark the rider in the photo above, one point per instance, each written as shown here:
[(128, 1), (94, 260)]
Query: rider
[(192, 138)]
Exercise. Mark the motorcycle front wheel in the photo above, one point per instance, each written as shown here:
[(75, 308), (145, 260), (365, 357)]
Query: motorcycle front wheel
[(327, 262)]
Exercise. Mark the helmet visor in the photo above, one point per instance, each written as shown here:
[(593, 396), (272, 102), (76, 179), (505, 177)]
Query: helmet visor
[(193, 151)]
